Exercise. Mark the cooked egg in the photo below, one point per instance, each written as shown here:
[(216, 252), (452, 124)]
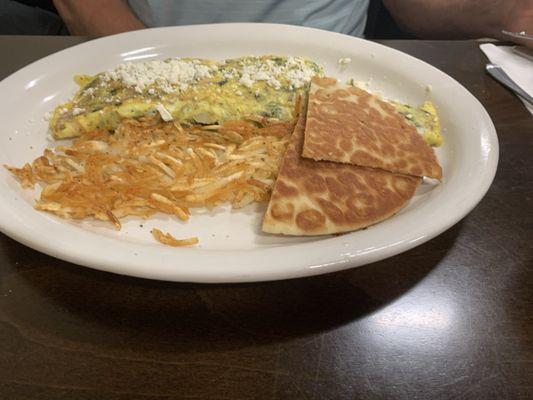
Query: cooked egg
[(425, 119)]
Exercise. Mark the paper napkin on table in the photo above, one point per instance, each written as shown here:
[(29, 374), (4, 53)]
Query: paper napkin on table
[(519, 69)]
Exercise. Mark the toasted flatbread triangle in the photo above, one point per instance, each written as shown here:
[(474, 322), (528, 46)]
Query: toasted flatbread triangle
[(319, 197), (349, 125)]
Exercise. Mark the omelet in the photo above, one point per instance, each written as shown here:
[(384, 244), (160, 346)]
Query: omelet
[(186, 90), (197, 91), (425, 119)]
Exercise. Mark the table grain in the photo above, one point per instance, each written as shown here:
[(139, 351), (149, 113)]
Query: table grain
[(450, 319)]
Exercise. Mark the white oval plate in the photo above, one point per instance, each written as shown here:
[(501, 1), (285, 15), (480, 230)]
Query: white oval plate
[(232, 247)]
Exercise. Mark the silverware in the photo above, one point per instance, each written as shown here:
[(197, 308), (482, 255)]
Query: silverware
[(499, 74), (518, 35), (524, 52)]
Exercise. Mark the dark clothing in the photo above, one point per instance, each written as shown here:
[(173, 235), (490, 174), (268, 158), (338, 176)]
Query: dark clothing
[(17, 18)]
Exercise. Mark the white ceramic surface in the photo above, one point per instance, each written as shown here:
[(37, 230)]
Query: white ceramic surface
[(232, 247)]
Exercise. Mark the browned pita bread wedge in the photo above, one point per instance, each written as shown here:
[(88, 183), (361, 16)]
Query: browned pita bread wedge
[(319, 197), (347, 124)]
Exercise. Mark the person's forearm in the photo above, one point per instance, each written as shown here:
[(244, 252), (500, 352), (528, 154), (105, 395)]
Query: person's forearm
[(450, 19), (97, 17)]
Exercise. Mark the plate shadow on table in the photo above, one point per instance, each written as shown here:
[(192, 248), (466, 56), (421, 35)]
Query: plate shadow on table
[(65, 305)]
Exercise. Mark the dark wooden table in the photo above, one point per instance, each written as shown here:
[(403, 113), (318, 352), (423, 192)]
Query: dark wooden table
[(451, 319)]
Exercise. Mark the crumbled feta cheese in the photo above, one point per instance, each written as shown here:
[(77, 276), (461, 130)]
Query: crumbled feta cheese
[(246, 80), (294, 70), (344, 61), (167, 75), (300, 76), (229, 74), (177, 75), (77, 111)]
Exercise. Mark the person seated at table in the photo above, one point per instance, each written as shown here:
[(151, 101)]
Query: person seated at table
[(428, 19)]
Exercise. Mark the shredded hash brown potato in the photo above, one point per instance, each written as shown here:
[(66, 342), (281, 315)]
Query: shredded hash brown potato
[(150, 166), (169, 240)]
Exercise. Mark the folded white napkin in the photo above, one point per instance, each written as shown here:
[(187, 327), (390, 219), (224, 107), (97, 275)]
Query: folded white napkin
[(517, 67)]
